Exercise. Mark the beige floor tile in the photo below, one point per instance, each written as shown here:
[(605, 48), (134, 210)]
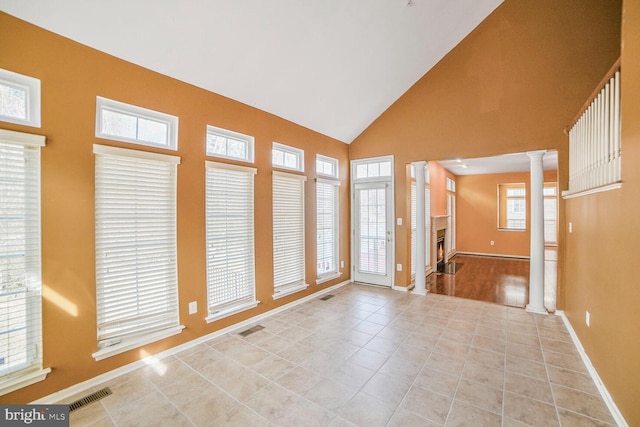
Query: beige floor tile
[(486, 343), (563, 360), (206, 406), (387, 388), (527, 367), (341, 422), (428, 404), (126, 392), (242, 384), (491, 331), (523, 339), (285, 408), (299, 379), (273, 367), (480, 395), (366, 410), (463, 415), (151, 410), (451, 348), (368, 359), (487, 358), (483, 374), (330, 394), (438, 381), (582, 403), (571, 419), (240, 416), (525, 352), (183, 390), (559, 346), (528, 387), (368, 327), (357, 338), (351, 374), (427, 342), (403, 418), (89, 414), (296, 353), (401, 368), (572, 379), (442, 362), (529, 411), (272, 343), (383, 345)]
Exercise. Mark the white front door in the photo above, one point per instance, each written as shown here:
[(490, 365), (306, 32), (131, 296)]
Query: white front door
[(373, 239)]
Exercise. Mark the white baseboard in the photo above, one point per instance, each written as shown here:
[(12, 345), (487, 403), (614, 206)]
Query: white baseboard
[(107, 376), (492, 255), (608, 400)]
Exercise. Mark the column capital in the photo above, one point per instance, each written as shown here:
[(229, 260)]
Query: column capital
[(537, 154)]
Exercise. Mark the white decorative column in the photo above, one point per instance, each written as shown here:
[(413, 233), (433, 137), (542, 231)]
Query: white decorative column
[(420, 283), (536, 267)]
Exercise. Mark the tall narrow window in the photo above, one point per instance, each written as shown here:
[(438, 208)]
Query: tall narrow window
[(136, 268), (550, 193), (288, 233), (20, 271), (19, 99), (327, 213), (451, 210), (230, 239), (512, 206)]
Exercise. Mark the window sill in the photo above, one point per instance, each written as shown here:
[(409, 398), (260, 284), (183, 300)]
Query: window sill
[(517, 230), (231, 311), (20, 381), (292, 290), (570, 195), (329, 277), (106, 352)]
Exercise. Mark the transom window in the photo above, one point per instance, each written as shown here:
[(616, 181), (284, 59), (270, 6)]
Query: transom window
[(128, 123), (326, 166), (286, 157), (229, 145), (373, 169), (19, 99)]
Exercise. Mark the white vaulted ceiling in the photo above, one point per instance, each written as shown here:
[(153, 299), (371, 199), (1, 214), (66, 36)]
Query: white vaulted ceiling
[(330, 65)]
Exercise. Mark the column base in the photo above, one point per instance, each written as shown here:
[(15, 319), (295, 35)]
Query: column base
[(536, 310), (419, 292)]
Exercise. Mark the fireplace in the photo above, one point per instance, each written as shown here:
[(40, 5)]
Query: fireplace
[(440, 250), (439, 242)]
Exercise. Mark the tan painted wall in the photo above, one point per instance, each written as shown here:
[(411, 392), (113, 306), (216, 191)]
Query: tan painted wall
[(72, 75), (477, 214), (512, 85), (602, 251)]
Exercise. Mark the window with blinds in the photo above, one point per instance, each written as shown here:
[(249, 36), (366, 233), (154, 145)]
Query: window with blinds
[(288, 233), (136, 268), (230, 239), (327, 226), (20, 265)]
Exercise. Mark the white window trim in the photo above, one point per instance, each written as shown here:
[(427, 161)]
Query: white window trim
[(31, 86), (322, 278), (231, 310), (135, 341), (281, 293), (140, 112), (331, 160), (299, 153), (369, 160), (225, 133), (130, 344), (25, 377)]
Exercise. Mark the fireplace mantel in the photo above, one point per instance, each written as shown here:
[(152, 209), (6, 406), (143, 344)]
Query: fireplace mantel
[(438, 223)]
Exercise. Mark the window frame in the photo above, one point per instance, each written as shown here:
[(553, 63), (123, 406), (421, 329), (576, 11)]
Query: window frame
[(503, 205), (32, 371), (248, 140), (246, 303), (105, 104), (333, 273), (286, 149), (328, 160), (109, 346), (31, 87), (283, 289)]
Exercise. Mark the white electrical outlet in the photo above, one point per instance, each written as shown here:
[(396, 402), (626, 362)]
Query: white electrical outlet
[(570, 227), (399, 267), (399, 221), (587, 318), (342, 264), (193, 307), (492, 243)]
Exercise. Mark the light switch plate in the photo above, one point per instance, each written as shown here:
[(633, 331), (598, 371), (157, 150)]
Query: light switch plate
[(193, 307)]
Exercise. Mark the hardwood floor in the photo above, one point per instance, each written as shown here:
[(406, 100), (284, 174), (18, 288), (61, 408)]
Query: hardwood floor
[(493, 279)]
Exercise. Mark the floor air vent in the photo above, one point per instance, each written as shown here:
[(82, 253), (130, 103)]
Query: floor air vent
[(251, 330), (326, 297), (93, 397)]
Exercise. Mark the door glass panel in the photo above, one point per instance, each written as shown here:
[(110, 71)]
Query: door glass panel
[(372, 227)]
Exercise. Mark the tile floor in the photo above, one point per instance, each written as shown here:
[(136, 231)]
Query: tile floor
[(367, 357)]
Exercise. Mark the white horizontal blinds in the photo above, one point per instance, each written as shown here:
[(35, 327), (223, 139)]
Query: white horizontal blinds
[(136, 270), (20, 272), (594, 141), (230, 236), (288, 230), (427, 226), (413, 228), (327, 227)]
